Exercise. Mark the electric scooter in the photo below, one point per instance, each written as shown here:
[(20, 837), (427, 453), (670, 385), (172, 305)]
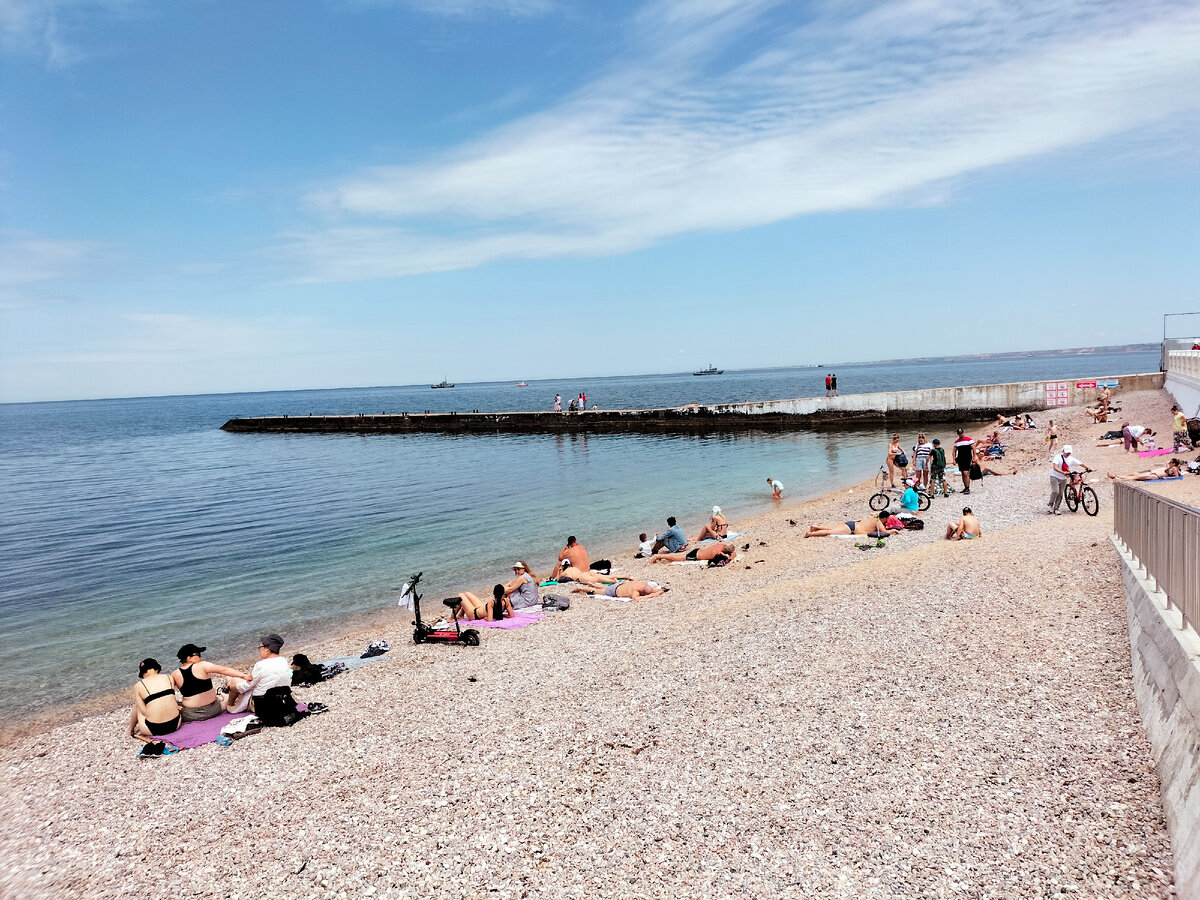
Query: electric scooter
[(428, 634)]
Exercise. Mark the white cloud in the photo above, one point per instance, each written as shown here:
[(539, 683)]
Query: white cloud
[(37, 27), (29, 262), (712, 127)]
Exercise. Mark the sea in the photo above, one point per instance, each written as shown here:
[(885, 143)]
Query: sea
[(130, 527)]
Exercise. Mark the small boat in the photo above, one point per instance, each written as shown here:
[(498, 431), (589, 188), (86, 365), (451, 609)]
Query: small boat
[(443, 384), (711, 370), (522, 384)]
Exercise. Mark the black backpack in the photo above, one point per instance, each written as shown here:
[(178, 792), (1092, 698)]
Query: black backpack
[(277, 708), (914, 524), (603, 566)]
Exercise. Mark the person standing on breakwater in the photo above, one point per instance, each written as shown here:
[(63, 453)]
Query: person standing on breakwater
[(558, 402), (673, 538), (833, 383), (776, 488), (828, 384), (964, 453)]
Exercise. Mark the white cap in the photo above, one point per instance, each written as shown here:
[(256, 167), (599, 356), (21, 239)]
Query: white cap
[(716, 510), (1067, 450)]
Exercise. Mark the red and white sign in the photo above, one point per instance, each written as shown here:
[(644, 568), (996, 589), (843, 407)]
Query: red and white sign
[(1085, 384), (1058, 393)]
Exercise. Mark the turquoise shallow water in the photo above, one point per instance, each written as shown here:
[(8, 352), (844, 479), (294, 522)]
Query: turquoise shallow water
[(132, 526)]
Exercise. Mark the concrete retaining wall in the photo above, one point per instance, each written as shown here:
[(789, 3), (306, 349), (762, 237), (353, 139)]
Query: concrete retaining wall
[(1166, 681)]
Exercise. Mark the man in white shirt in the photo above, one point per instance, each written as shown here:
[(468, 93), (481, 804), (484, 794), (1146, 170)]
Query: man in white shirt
[(1132, 435), (271, 670), (1063, 465)]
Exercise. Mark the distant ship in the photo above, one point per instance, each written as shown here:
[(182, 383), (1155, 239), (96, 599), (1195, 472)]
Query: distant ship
[(444, 384), (711, 370), (522, 384)]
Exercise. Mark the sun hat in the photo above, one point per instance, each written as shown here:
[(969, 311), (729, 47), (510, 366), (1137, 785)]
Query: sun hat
[(188, 649), (517, 565)]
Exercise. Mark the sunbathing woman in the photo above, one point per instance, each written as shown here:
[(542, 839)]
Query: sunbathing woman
[(707, 552), (571, 573), (716, 529), (193, 678), (1171, 470), (155, 711), (866, 526), (628, 590), (472, 607)]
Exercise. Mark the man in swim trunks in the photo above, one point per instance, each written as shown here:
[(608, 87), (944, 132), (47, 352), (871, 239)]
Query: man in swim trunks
[(866, 526), (966, 529), (626, 590), (701, 554), (573, 554)]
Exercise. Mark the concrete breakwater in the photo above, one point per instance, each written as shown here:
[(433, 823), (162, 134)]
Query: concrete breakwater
[(931, 405)]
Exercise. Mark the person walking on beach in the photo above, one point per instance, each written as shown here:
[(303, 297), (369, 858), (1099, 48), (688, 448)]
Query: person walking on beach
[(828, 384), (558, 402), (833, 383), (964, 453), (1051, 435), (776, 488), (1061, 468)]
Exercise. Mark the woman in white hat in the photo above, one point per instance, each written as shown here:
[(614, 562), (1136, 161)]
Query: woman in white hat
[(716, 529)]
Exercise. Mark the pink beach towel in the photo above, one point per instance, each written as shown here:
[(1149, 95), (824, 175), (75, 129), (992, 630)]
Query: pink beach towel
[(191, 735), (1160, 452), (519, 620)]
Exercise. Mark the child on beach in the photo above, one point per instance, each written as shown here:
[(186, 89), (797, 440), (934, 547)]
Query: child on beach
[(937, 469), (776, 488)]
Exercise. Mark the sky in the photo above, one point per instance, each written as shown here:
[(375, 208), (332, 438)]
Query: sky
[(204, 196)]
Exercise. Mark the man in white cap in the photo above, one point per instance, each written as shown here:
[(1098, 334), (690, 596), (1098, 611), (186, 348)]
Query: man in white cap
[(716, 529), (1063, 465)]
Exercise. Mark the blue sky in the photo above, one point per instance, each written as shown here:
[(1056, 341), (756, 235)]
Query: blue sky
[(228, 196)]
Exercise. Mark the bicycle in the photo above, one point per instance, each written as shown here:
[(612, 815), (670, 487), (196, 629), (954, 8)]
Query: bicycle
[(883, 497), (1077, 493)]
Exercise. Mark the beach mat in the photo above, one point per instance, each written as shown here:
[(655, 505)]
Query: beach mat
[(518, 620), (728, 537), (191, 735), (1161, 452), (1176, 478), (351, 662)]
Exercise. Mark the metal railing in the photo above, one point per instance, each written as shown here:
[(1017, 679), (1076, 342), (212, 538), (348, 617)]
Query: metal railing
[(1164, 537), (1184, 362)]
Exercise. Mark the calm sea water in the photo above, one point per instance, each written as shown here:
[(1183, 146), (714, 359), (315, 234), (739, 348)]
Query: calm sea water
[(129, 527)]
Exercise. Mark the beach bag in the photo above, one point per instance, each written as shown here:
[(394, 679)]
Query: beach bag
[(277, 708), (603, 566), (900, 459), (914, 524), (556, 601), (976, 472)]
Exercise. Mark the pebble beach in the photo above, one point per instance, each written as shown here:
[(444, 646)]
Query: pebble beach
[(927, 719)]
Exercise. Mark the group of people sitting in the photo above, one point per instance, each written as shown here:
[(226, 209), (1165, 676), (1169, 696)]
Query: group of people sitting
[(157, 711)]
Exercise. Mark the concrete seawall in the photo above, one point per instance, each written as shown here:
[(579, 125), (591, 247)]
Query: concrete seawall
[(932, 405)]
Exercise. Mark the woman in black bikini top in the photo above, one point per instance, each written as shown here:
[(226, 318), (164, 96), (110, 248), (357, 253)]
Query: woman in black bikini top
[(155, 711), (193, 679)]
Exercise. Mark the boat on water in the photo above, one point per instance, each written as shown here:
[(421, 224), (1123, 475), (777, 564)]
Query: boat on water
[(522, 384), (711, 370), (442, 384)]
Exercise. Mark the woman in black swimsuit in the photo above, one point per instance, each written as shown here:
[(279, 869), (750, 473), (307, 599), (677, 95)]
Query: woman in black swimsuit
[(193, 678), (155, 711)]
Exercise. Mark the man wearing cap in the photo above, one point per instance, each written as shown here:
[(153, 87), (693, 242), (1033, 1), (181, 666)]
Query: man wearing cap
[(964, 453), (574, 554), (1063, 465), (193, 678), (271, 670)]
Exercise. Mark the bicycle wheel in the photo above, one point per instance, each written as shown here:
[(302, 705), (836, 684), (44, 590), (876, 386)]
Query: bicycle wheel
[(923, 501), (1071, 497), (879, 501), (1091, 503)]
